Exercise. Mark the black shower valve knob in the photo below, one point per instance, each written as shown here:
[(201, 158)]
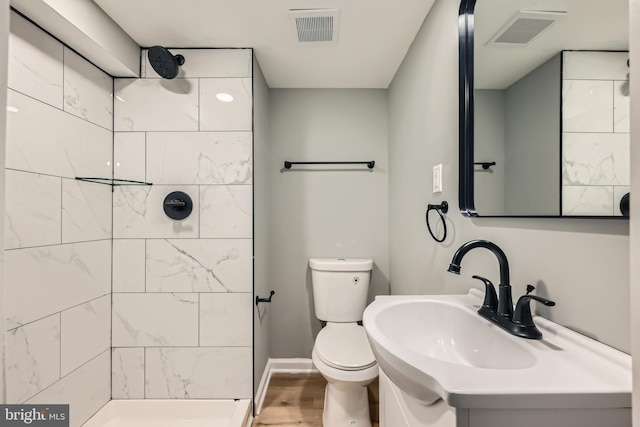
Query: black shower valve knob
[(177, 205)]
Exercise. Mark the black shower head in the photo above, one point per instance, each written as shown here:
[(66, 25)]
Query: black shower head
[(164, 62)]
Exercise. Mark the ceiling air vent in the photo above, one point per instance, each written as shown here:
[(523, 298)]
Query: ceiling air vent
[(316, 26), (524, 27)]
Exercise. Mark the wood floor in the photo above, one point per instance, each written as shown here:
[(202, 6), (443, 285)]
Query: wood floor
[(297, 400)]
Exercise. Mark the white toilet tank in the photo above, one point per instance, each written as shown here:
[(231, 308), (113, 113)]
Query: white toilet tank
[(340, 288)]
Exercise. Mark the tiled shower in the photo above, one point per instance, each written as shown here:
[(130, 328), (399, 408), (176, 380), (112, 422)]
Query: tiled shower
[(106, 296), (193, 277)]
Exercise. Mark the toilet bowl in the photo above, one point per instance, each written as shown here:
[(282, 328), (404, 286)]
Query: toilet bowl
[(343, 356), (341, 352)]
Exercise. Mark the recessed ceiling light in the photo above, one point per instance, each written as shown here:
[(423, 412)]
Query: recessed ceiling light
[(12, 109), (224, 97)]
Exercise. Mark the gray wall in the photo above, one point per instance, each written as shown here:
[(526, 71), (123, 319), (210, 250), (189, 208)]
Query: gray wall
[(261, 196), (327, 212), (532, 148), (519, 129), (489, 122), (581, 264)]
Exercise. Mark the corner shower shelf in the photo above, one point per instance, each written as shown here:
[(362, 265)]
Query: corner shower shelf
[(113, 182)]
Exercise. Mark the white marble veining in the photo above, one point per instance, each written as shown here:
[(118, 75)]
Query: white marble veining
[(156, 105), (226, 211), (618, 193), (87, 90), (581, 65), (199, 265), (138, 212), (168, 319), (587, 106), (587, 200), (53, 278), (621, 106), (179, 285), (33, 209), (199, 373), (86, 211), (58, 126), (225, 319), (207, 63), (199, 157), (128, 265), (86, 390), (595, 159), (86, 332), (218, 115), (35, 62), (596, 123), (127, 377), (129, 155), (33, 358), (44, 139)]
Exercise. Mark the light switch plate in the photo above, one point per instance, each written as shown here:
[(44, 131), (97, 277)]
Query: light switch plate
[(437, 178)]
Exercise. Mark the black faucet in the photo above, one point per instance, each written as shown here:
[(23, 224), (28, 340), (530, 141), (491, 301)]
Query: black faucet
[(502, 314), (505, 303)]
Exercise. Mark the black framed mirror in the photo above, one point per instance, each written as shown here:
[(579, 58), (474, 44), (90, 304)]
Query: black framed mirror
[(544, 108)]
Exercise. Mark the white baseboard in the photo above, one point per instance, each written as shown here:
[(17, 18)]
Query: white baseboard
[(288, 366)]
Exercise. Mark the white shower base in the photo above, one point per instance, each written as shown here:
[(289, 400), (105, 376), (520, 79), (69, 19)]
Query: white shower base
[(172, 413)]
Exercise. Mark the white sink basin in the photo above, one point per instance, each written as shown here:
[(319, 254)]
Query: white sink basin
[(438, 347), (450, 333)]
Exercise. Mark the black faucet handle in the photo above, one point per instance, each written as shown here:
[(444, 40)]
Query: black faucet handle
[(490, 296), (547, 302), (544, 301), (522, 313)]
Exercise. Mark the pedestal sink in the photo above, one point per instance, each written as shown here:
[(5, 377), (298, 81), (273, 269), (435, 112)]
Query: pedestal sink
[(437, 347)]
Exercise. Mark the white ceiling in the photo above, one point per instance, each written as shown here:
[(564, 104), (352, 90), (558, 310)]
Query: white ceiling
[(373, 35), (588, 25)]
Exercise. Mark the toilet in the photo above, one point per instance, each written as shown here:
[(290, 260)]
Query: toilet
[(341, 352)]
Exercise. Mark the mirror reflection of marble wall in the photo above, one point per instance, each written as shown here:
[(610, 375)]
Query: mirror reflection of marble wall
[(595, 138)]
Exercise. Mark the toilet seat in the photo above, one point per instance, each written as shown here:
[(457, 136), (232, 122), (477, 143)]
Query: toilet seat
[(344, 346)]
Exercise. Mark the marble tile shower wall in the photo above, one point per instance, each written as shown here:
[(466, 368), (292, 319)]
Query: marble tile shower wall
[(182, 290), (595, 138), (58, 230)]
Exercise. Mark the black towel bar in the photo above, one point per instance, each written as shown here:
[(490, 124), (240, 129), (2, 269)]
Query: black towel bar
[(370, 164)]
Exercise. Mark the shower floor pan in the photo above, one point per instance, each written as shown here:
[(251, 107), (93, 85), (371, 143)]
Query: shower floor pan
[(172, 413)]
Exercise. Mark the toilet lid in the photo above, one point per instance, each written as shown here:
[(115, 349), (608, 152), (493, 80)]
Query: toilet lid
[(344, 346)]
